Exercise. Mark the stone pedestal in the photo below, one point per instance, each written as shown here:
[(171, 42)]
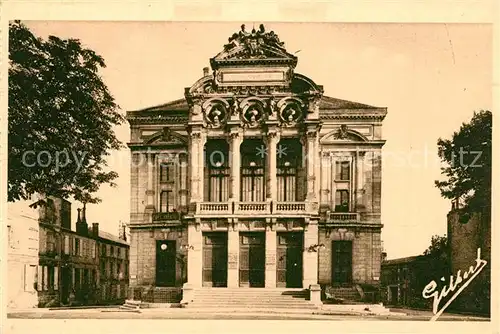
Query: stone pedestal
[(310, 258), (232, 259), (315, 294), (270, 259), (194, 272), (187, 293)]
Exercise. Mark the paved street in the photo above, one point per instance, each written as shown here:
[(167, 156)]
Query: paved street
[(176, 313)]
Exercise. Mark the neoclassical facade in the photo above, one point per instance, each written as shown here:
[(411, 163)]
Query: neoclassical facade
[(254, 179)]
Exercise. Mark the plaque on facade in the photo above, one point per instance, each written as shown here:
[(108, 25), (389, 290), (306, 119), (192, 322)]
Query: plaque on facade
[(270, 259), (239, 77), (232, 261)]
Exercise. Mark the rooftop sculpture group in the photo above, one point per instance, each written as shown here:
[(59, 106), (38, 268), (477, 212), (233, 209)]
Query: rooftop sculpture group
[(254, 40)]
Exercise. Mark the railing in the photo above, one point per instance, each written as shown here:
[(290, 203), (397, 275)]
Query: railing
[(213, 208), (290, 207), (343, 217), (252, 207)]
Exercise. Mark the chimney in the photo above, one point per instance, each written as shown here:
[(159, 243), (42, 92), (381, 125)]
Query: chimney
[(206, 71), (84, 218), (78, 220), (95, 229)]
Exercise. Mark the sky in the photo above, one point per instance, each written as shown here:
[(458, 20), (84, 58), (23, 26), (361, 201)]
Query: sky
[(431, 78)]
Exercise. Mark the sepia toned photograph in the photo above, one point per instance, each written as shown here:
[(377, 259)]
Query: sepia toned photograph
[(249, 171)]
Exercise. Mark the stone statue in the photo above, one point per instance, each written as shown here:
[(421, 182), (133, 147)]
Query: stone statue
[(272, 106), (235, 107)]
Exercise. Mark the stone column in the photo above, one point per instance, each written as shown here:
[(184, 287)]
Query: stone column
[(233, 257), (270, 273), (272, 141), (201, 166), (194, 270), (197, 142), (235, 144), (359, 178), (310, 258), (150, 186), (311, 154), (325, 168)]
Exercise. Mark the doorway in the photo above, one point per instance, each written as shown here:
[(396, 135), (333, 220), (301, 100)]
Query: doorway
[(342, 262), (165, 263), (289, 253), (66, 280), (215, 259), (252, 259)]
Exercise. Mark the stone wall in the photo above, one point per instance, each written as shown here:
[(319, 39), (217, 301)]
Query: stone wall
[(143, 254), (464, 241), (366, 255)]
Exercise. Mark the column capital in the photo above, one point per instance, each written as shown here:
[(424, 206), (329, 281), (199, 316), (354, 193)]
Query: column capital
[(273, 135)]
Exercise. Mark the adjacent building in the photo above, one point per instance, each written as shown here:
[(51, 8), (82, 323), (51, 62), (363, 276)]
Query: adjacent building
[(22, 256), (51, 265), (403, 281), (254, 178)]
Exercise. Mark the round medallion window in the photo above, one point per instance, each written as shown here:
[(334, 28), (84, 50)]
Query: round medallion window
[(163, 246)]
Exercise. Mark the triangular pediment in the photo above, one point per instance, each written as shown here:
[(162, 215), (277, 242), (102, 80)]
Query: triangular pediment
[(166, 137), (253, 47)]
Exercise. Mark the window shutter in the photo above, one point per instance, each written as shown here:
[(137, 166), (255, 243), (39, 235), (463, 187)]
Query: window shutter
[(66, 244), (337, 170), (39, 279), (56, 278), (45, 278)]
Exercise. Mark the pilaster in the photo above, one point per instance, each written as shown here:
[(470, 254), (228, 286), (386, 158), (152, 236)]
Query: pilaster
[(233, 256), (235, 142), (194, 270), (272, 140), (310, 257), (150, 207), (270, 275)]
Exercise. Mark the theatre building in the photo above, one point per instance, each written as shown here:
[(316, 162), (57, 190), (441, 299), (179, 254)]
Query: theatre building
[(254, 179)]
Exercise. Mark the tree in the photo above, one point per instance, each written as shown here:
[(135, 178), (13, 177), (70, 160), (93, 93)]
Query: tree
[(468, 165), (61, 118), (438, 248)]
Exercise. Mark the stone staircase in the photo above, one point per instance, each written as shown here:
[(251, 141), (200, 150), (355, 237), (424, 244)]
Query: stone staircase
[(251, 299), (131, 306), (344, 295)]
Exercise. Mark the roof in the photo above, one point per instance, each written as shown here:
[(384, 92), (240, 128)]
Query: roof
[(329, 106), (111, 237)]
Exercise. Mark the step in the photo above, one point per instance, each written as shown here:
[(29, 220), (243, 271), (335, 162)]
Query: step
[(247, 311), (247, 303), (263, 306)]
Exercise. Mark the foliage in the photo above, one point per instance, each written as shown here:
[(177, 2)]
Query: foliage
[(468, 165), (438, 248), (61, 112)]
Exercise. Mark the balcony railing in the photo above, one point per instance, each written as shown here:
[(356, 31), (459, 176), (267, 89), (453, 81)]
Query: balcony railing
[(290, 207), (252, 207), (343, 217), (213, 208)]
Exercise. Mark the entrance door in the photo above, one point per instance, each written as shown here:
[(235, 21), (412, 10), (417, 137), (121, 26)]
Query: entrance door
[(342, 262), (215, 259), (289, 254), (165, 262), (65, 284), (252, 259)]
